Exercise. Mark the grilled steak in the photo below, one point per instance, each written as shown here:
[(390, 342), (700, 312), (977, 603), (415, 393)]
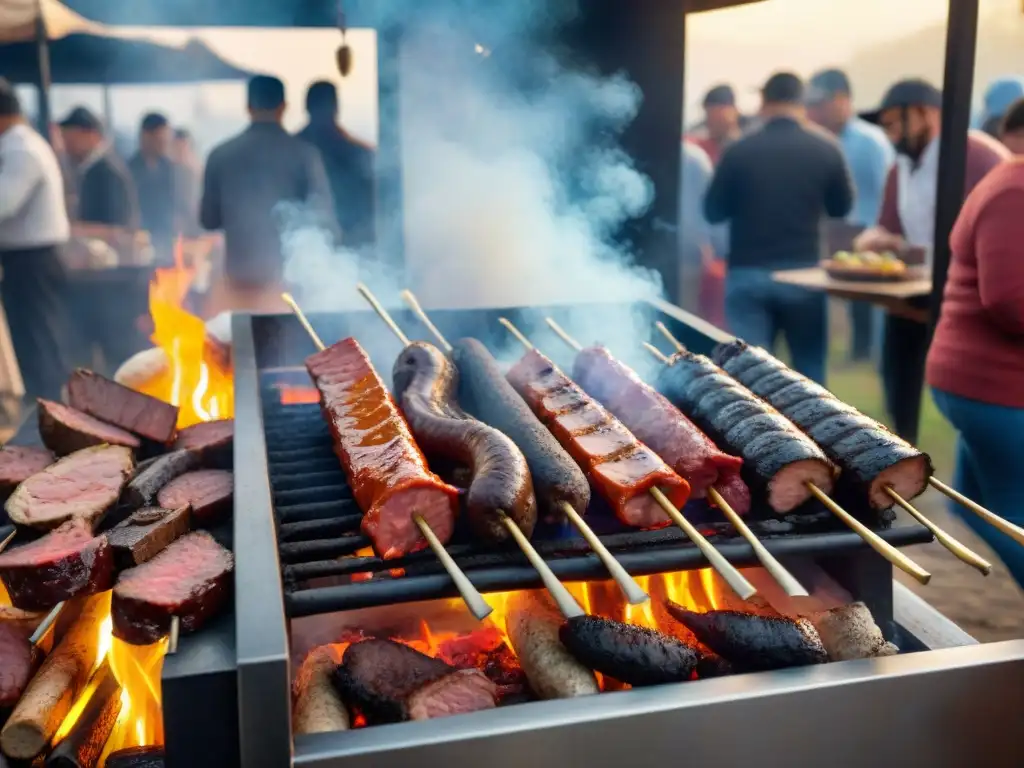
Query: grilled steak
[(116, 404), (146, 533), (207, 491), (212, 440), (65, 430), (751, 642), (190, 579), (143, 488), (65, 563), (83, 485), (630, 654), (15, 664), (18, 463), (390, 682)]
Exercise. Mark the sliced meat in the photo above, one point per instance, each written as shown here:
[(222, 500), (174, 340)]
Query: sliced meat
[(67, 562), (457, 693), (83, 485), (15, 664), (209, 492), (65, 430), (317, 706), (752, 642), (212, 440), (877, 460), (18, 463), (533, 624), (485, 393), (27, 621), (190, 579), (116, 404), (653, 420), (145, 533), (634, 655), (385, 468), (425, 385), (144, 486), (850, 632)]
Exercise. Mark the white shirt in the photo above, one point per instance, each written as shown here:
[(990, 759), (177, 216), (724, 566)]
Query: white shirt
[(32, 209), (916, 191)]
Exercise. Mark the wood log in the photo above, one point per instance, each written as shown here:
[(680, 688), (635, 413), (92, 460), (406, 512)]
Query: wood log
[(318, 707), (84, 743)]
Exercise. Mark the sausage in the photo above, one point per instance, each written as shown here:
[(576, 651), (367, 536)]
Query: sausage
[(533, 625), (318, 707), (15, 663), (425, 385), (485, 393)]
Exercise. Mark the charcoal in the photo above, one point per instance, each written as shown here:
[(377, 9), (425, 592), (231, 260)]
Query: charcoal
[(143, 488), (137, 757), (146, 533)]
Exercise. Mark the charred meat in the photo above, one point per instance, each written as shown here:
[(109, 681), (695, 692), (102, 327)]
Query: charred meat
[(116, 404), (211, 440), (18, 463), (208, 492), (65, 430)]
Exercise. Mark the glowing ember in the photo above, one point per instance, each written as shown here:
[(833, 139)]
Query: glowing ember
[(197, 379), (292, 395)]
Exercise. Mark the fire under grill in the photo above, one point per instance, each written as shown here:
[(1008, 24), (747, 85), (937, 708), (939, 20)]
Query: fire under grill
[(306, 575)]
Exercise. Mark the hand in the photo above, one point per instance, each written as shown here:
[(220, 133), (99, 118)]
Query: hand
[(877, 239)]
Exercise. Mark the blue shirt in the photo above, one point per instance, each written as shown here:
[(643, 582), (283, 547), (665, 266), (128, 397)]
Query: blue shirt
[(870, 154)]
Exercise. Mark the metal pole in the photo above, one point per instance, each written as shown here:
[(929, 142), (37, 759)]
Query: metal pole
[(957, 86), (43, 80)]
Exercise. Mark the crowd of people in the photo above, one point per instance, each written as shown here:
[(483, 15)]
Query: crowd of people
[(809, 177)]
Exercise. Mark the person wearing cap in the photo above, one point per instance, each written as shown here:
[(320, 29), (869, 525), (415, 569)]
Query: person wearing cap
[(869, 155), (260, 188), (34, 228), (1000, 94), (349, 165), (723, 123), (1011, 131), (911, 116), (774, 187)]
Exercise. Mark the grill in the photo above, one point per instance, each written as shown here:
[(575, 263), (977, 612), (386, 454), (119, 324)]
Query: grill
[(299, 546)]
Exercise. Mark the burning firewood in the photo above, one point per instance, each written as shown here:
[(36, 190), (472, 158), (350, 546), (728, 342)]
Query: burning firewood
[(84, 743), (318, 707), (50, 694)]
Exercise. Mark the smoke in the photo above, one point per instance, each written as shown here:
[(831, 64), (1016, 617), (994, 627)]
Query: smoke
[(515, 188)]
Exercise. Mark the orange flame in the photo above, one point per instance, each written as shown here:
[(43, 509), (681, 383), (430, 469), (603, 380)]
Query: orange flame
[(293, 395), (195, 380)]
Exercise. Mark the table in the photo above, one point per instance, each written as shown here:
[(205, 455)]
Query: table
[(897, 298)]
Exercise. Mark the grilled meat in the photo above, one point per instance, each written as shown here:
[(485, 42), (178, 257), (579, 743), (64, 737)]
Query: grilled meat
[(871, 457), (209, 492), (67, 562), (533, 623), (752, 642), (212, 440), (146, 533), (425, 383), (27, 621), (15, 664), (18, 463), (635, 655), (486, 394), (123, 407), (65, 430), (656, 422), (390, 682), (779, 459), (317, 706), (190, 579), (621, 468), (850, 632), (144, 486), (385, 469), (83, 485)]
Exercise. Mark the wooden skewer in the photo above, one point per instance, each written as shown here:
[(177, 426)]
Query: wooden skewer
[(657, 353), (566, 602), (873, 540), (8, 539), (1015, 532), (670, 336), (732, 577), (470, 596), (785, 579), (382, 313), (633, 592), (172, 637), (46, 623), (970, 557)]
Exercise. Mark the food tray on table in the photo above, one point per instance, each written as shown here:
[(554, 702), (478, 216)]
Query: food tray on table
[(869, 267)]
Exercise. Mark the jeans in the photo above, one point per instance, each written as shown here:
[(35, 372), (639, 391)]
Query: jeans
[(989, 466), (904, 350), (862, 330), (758, 309)]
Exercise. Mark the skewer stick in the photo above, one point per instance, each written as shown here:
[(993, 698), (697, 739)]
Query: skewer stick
[(516, 332), (172, 636), (8, 539), (470, 596), (732, 577), (410, 298), (680, 347), (1015, 532), (566, 602), (970, 557), (657, 353), (778, 571), (382, 313), (634, 594), (45, 624), (876, 542), (563, 334)]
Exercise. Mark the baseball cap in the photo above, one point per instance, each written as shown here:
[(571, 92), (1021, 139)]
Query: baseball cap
[(81, 117), (826, 84), (1001, 94), (907, 93), (720, 96), (783, 88)]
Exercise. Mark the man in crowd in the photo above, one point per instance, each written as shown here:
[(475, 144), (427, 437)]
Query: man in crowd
[(1011, 133), (184, 154), (348, 162), (774, 187), (33, 228), (723, 123), (260, 187), (911, 116), (869, 156), (1000, 94), (160, 184)]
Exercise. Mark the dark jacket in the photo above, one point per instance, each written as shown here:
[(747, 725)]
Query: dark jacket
[(775, 187), (163, 196), (260, 187), (106, 194)]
